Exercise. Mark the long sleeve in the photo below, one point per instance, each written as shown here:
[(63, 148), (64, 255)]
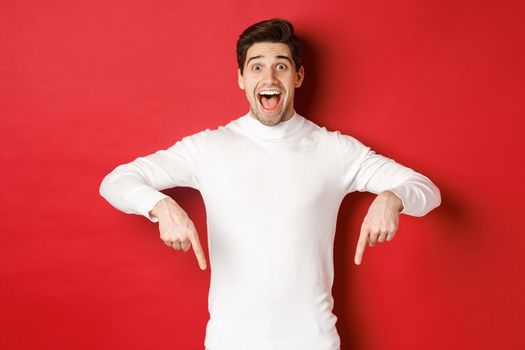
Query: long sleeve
[(134, 188), (365, 170)]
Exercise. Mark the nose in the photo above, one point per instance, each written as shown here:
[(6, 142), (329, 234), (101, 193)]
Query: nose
[(269, 76)]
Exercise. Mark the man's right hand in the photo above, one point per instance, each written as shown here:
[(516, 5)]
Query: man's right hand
[(176, 228)]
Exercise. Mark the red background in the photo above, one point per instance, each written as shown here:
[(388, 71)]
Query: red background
[(88, 85)]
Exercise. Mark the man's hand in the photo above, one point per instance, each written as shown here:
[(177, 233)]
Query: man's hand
[(380, 223), (176, 228)]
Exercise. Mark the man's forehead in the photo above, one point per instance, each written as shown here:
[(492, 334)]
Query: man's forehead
[(268, 50)]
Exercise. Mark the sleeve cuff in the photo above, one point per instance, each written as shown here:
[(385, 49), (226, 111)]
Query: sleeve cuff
[(143, 200), (399, 195), (418, 198)]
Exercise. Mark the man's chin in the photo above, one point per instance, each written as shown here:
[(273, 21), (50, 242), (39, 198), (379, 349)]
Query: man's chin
[(271, 119)]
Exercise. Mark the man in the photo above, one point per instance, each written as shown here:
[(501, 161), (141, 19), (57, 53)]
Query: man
[(272, 182)]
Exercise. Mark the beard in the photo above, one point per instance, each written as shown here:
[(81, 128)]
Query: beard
[(273, 119)]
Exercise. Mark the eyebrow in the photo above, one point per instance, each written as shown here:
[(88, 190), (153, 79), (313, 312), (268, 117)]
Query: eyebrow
[(261, 56)]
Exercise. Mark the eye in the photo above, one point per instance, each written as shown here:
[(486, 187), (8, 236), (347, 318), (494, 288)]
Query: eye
[(281, 66), (256, 67)]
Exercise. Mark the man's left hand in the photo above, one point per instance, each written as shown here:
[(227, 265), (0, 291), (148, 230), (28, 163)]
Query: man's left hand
[(380, 223)]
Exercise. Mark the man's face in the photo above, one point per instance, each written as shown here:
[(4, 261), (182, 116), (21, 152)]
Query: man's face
[(269, 81)]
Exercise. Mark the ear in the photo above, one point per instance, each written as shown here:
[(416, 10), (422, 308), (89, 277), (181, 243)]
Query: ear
[(300, 77), (240, 80)]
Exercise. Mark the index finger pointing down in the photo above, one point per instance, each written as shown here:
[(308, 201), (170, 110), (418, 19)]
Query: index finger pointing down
[(199, 253), (361, 245)]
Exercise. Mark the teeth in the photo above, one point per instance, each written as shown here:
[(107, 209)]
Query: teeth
[(269, 92)]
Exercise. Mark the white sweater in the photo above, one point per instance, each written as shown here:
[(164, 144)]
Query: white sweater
[(272, 196)]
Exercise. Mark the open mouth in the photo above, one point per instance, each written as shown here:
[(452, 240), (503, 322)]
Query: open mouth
[(270, 100)]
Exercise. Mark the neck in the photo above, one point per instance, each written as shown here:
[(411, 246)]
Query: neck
[(279, 131), (273, 121)]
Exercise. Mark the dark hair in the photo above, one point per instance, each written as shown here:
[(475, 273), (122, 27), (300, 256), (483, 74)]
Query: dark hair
[(276, 30)]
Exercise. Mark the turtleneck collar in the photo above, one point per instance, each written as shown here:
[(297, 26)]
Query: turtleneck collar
[(275, 133)]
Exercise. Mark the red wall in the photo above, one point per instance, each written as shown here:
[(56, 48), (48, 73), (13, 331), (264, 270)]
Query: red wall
[(88, 85)]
